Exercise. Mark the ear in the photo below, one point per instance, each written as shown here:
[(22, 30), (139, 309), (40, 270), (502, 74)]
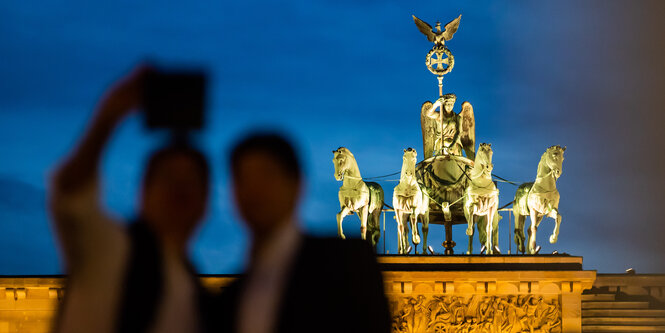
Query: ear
[(564, 148), (334, 151), (405, 150)]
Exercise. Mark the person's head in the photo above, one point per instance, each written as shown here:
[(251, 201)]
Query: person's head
[(449, 102), (175, 191), (266, 181)]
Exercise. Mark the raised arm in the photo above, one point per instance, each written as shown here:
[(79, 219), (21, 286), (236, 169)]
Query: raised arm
[(82, 165), (79, 222), (431, 112)]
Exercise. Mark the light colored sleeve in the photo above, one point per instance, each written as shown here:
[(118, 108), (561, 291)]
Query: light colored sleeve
[(86, 233)]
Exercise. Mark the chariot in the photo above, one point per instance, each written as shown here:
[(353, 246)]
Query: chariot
[(444, 180)]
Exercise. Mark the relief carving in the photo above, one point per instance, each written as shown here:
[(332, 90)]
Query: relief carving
[(490, 314)]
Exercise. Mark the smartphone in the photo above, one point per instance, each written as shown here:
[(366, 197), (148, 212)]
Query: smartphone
[(174, 99)]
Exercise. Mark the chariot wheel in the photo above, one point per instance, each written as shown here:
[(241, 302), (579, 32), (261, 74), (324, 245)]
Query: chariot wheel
[(438, 327)]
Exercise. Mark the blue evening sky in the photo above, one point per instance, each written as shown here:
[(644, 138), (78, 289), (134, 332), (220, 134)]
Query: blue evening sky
[(588, 75)]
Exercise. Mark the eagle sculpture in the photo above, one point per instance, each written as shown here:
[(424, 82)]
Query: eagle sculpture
[(438, 37)]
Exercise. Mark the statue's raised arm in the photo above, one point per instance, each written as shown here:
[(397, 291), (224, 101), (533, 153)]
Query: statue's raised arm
[(430, 123)]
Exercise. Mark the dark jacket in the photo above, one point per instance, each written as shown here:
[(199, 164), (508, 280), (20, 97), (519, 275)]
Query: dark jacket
[(144, 283), (333, 285)]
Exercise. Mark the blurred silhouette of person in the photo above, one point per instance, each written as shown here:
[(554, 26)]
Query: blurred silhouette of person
[(295, 283), (133, 278)]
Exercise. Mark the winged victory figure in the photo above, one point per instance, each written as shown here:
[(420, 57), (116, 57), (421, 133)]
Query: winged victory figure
[(437, 36), (459, 130)]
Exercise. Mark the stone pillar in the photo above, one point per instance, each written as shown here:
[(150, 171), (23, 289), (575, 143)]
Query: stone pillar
[(571, 307)]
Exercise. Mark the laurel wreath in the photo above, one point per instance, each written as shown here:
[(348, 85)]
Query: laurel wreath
[(440, 49)]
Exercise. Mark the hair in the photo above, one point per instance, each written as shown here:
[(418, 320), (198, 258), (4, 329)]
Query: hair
[(162, 154), (272, 144)]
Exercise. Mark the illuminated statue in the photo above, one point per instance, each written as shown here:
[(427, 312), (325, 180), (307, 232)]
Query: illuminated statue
[(481, 198), (539, 199), (438, 37), (439, 60), (448, 137), (357, 196), (409, 200), (446, 132)]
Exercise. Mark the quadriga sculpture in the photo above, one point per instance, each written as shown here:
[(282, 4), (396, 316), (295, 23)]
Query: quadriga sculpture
[(409, 200), (443, 172), (481, 199), (539, 199), (355, 195)]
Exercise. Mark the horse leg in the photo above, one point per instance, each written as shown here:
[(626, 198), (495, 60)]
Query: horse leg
[(468, 208), (490, 230), (405, 233), (425, 227), (469, 249), (375, 228), (398, 219), (474, 221), (362, 215), (519, 232), (533, 228), (340, 216), (468, 215), (487, 244), (481, 227), (495, 232), (415, 235), (555, 234)]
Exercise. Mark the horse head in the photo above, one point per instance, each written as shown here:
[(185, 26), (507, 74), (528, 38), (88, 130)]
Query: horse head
[(553, 158), (483, 162), (342, 159), (409, 162)]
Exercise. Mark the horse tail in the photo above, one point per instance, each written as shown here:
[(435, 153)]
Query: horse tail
[(375, 195), (520, 206), (374, 206)]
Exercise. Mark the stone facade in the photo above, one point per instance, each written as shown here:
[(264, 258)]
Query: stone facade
[(434, 294), (486, 293)]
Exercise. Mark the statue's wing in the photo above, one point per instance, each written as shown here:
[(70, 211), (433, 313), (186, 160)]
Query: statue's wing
[(468, 130), (451, 28), (425, 28), (428, 126)]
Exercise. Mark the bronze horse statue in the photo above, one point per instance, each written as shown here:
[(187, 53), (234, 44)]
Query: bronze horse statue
[(539, 199)]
